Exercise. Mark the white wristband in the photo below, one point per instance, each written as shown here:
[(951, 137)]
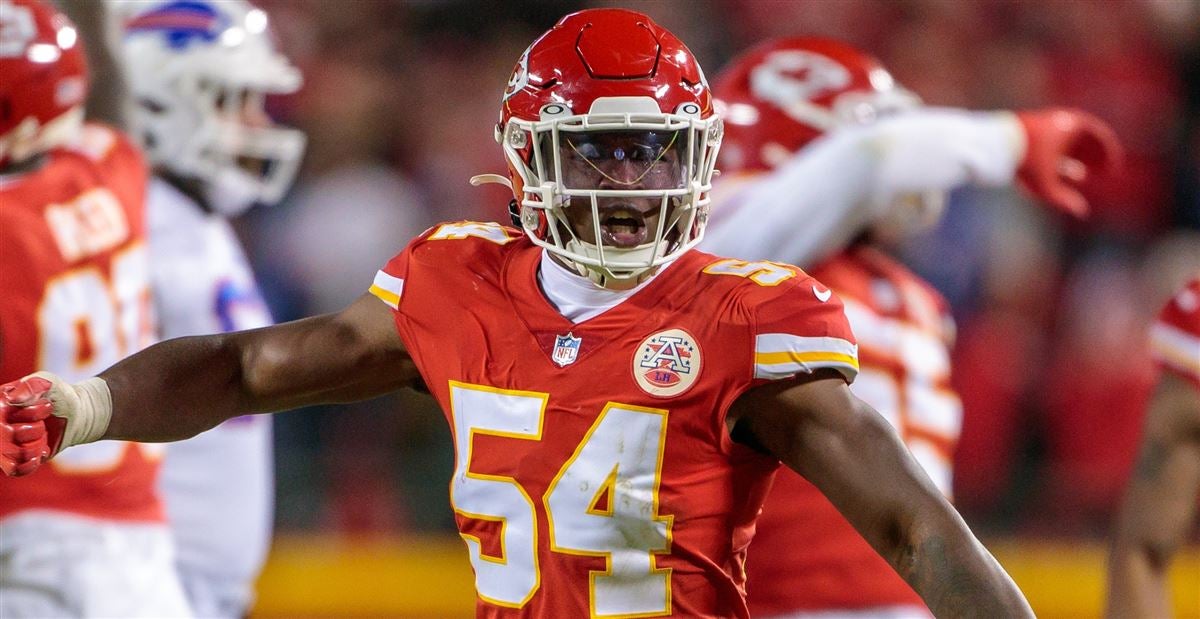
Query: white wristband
[(86, 406)]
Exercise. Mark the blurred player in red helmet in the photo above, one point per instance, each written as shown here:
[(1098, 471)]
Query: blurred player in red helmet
[(618, 400), (824, 154), (86, 536), (1160, 503)]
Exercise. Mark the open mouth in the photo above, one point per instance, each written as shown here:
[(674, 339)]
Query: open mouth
[(623, 226)]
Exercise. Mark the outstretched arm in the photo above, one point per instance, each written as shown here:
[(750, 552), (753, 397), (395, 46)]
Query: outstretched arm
[(1159, 504), (109, 100), (822, 197), (351, 355), (182, 387), (839, 443)]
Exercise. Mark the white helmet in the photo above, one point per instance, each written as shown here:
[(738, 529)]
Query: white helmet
[(200, 70)]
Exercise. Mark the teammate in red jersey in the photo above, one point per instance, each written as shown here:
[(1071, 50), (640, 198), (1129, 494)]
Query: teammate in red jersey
[(86, 536), (619, 401), (823, 150), (1160, 503)]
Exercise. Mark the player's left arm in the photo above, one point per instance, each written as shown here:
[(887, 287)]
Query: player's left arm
[(1159, 504), (109, 100), (815, 425)]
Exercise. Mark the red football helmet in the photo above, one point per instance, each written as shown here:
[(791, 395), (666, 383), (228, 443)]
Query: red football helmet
[(44, 80), (607, 90), (784, 93)]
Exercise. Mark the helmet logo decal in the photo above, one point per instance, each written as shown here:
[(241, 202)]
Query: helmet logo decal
[(16, 29), (667, 363), (520, 76), (181, 23), (787, 76)]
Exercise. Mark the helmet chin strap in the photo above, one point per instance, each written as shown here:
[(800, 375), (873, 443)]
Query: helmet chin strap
[(605, 280), (604, 277)]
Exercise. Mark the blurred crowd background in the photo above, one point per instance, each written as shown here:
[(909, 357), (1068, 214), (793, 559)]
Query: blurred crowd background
[(399, 103)]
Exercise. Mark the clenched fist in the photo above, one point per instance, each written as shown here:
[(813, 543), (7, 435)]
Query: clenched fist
[(29, 432)]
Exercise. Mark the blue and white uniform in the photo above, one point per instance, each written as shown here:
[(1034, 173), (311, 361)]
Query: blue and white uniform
[(218, 486)]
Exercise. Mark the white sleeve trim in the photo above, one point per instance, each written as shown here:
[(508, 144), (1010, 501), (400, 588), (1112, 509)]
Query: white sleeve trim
[(388, 288), (781, 355), (1176, 348)]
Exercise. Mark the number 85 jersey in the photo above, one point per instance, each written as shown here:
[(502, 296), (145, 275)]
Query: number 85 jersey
[(74, 280), (594, 475)]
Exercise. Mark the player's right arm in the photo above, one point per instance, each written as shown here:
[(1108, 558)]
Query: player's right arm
[(822, 197), (181, 387)]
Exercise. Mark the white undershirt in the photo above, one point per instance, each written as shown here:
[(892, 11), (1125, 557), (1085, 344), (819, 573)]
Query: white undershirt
[(576, 297)]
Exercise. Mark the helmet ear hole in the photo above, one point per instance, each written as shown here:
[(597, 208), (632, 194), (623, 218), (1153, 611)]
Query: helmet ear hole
[(514, 212), (151, 105)]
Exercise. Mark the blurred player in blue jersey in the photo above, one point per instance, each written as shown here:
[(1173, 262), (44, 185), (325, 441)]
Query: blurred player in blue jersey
[(198, 72)]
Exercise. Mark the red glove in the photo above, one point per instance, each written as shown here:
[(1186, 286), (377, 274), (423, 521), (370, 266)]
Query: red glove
[(1065, 147), (29, 433)]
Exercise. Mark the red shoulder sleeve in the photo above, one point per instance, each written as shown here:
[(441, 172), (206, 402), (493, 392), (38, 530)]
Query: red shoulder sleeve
[(426, 248), (799, 325), (1175, 337)]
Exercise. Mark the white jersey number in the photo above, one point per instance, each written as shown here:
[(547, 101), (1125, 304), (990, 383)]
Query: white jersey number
[(602, 503), (87, 322)]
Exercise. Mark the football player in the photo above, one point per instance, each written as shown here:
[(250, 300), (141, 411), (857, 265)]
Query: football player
[(85, 537), (199, 72), (1160, 502), (823, 155), (618, 400)]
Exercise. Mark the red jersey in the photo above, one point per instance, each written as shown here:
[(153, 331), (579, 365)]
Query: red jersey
[(904, 334), (76, 300), (1175, 337), (594, 473)]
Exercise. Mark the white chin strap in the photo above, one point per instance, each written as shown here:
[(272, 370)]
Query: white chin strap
[(606, 278), (493, 179), (600, 276)]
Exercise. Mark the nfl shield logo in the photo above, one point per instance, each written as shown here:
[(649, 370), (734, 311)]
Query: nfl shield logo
[(566, 349)]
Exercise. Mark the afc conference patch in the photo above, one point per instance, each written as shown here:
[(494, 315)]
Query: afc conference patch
[(566, 349), (667, 363)]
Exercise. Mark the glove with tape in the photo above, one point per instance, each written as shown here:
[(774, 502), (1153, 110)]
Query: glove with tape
[(42, 414)]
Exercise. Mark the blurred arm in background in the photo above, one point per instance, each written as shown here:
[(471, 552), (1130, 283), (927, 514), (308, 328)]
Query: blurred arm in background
[(1160, 502), (109, 100), (853, 177)]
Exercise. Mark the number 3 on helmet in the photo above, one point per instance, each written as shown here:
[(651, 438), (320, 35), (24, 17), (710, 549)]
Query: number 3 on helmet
[(597, 71)]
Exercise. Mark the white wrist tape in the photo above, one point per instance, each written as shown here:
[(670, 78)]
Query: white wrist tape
[(87, 407)]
